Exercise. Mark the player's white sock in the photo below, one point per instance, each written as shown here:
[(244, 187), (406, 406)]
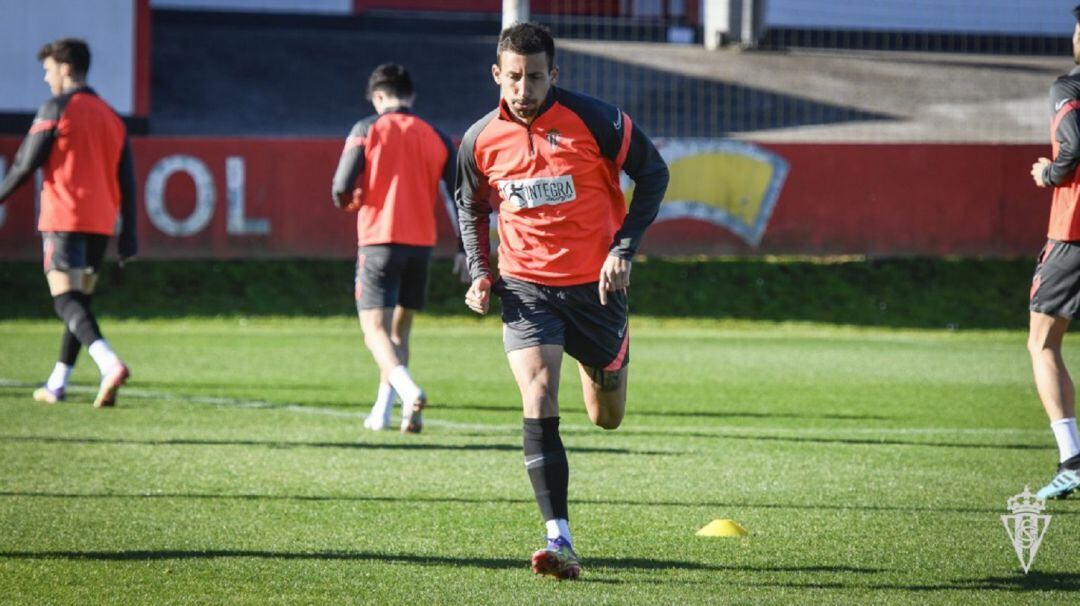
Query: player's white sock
[(1067, 440), (404, 385), (58, 380), (384, 403), (103, 356), (558, 527)]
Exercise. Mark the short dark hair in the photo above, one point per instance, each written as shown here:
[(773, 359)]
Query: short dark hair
[(392, 79), (1076, 13), (527, 39), (72, 51)]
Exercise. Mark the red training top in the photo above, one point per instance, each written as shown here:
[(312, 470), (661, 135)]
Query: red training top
[(401, 158)]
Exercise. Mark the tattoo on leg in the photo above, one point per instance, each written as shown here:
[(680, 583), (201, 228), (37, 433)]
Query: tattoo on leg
[(607, 380)]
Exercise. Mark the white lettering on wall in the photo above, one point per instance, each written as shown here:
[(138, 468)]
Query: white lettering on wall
[(238, 223), (3, 208), (204, 195)]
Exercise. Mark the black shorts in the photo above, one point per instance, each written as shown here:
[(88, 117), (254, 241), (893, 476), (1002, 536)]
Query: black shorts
[(69, 250), (1055, 287), (596, 335), (388, 275)]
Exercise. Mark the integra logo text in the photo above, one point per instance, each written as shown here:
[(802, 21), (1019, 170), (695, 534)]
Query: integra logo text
[(530, 193)]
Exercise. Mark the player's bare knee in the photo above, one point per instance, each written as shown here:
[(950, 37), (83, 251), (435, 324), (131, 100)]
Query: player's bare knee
[(543, 396), (1039, 342), (371, 324), (607, 421)]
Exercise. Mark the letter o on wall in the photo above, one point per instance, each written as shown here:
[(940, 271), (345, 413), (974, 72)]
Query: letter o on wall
[(204, 195)]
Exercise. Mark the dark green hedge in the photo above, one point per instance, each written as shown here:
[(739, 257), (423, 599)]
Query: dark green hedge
[(932, 293)]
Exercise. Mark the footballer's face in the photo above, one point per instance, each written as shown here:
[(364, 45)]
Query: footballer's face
[(1076, 44), (524, 82), (54, 74)]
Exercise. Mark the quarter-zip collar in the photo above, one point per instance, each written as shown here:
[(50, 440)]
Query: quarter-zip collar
[(506, 114)]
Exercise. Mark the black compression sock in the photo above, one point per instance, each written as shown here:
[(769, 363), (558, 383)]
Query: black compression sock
[(74, 309), (546, 464), (69, 348)]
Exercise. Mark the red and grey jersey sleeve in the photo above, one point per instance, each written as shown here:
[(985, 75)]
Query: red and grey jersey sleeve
[(472, 195), (36, 147), (627, 146), (351, 164), (650, 174), (1066, 131)]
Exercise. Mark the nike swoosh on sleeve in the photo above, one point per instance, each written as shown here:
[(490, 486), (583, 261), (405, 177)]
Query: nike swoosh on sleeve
[(533, 461)]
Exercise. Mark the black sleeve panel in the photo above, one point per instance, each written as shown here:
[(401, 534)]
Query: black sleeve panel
[(604, 121), (1067, 133), (128, 242), (650, 174), (472, 194), (351, 164), (642, 162), (448, 178), (35, 148), (451, 160)]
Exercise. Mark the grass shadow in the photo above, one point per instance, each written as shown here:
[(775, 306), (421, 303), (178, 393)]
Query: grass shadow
[(278, 444), (482, 500), (720, 435), (620, 564)]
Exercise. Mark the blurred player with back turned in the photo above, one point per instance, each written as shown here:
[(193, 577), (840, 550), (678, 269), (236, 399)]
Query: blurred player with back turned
[(389, 173), (1055, 288), (552, 159), (81, 145)]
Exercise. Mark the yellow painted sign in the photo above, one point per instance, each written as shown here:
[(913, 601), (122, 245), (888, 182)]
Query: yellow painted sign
[(731, 184)]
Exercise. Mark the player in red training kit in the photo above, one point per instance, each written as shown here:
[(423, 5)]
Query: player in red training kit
[(81, 145), (1055, 288), (389, 172), (551, 158)]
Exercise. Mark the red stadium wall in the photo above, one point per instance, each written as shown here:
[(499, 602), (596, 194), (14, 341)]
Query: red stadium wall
[(889, 199), (228, 198), (594, 7)]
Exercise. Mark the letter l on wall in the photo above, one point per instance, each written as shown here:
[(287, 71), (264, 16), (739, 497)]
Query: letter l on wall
[(3, 208), (238, 223)]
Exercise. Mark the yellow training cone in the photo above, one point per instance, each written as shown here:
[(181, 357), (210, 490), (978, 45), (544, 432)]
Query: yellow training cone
[(722, 528)]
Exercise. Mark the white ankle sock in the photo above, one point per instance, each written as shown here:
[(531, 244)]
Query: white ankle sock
[(384, 402), (404, 385), (59, 378), (103, 355), (1067, 440), (558, 528)]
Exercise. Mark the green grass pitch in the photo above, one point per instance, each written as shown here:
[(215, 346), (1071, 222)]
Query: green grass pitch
[(869, 466)]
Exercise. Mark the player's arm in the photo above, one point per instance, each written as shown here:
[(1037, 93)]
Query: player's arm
[(630, 150), (350, 166), (472, 198), (1062, 167), (642, 162), (34, 150), (128, 242), (1053, 172), (650, 174), (461, 265), (626, 146)]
